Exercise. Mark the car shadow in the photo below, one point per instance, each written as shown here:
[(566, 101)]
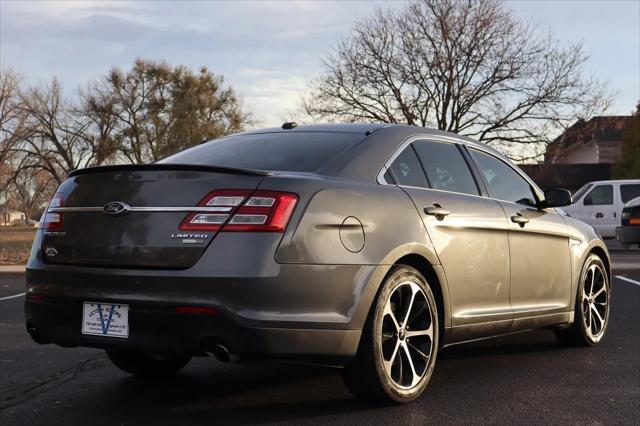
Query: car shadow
[(209, 391)]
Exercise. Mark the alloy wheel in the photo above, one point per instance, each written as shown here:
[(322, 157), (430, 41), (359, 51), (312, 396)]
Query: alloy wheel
[(595, 301), (407, 342)]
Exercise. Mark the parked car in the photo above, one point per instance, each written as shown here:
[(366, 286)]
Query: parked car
[(628, 232), (24, 222), (600, 203), (369, 247)]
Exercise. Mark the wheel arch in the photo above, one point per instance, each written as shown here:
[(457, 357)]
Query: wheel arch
[(435, 281), (602, 254)]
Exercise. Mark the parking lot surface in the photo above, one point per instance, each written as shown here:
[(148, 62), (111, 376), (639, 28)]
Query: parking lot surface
[(525, 378)]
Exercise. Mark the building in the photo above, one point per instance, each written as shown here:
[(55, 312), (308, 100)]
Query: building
[(596, 141), (8, 215), (585, 152)]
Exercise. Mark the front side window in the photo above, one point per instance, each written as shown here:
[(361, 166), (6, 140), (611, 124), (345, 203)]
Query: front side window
[(629, 192), (580, 192), (446, 168), (504, 182), (599, 196), (406, 169)]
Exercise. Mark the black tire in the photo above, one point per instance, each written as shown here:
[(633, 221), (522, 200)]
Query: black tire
[(383, 367), (585, 330), (147, 365)]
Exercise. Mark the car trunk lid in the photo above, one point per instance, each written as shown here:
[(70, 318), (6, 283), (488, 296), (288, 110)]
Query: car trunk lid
[(129, 216)]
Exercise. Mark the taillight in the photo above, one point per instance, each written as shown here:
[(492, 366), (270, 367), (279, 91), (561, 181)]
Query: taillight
[(242, 211), (634, 216), (53, 221)]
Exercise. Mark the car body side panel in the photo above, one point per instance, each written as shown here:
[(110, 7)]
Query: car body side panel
[(391, 229), (471, 244), (540, 262), (380, 220)]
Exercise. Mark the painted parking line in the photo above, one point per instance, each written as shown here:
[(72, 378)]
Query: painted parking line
[(15, 296), (629, 280)]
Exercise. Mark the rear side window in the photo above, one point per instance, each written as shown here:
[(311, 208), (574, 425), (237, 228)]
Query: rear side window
[(599, 196), (629, 192), (504, 182), (446, 169), (281, 151), (406, 169)]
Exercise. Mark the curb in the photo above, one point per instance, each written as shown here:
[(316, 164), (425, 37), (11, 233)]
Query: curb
[(13, 269)]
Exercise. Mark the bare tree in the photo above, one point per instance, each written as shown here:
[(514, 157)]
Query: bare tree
[(11, 122), (11, 127), (465, 66), (28, 193), (55, 139)]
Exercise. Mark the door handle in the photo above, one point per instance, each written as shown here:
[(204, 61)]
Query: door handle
[(436, 210), (519, 219)]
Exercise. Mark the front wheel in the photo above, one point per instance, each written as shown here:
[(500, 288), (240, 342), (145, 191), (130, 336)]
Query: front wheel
[(592, 306), (147, 365), (399, 345)]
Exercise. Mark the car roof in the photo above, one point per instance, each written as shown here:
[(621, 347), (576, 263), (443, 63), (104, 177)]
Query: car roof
[(379, 142), (363, 128), (621, 181), (367, 129)]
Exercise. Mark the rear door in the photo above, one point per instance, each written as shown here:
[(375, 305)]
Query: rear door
[(468, 232), (538, 245)]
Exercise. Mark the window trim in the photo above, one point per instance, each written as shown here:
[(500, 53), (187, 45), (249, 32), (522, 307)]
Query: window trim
[(465, 145), (424, 172), (535, 191), (408, 143)]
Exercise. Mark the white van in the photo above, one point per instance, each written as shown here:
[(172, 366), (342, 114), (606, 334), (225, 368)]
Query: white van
[(600, 203)]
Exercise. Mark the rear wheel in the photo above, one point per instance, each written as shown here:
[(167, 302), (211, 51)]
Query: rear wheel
[(145, 364), (592, 306), (399, 344)]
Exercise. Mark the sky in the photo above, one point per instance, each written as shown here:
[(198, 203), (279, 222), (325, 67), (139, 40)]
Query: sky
[(269, 51)]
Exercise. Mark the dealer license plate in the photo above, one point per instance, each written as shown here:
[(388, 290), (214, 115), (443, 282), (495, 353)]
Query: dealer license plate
[(105, 319)]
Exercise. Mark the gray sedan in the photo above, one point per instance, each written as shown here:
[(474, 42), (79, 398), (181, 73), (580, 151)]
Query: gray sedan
[(364, 246)]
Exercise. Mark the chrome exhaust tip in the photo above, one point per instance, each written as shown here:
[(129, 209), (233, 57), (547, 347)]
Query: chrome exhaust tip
[(221, 353)]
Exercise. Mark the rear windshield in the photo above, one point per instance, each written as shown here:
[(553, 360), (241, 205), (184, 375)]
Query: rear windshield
[(295, 151)]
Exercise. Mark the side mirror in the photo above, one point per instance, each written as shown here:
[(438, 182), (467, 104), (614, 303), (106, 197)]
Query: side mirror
[(556, 197)]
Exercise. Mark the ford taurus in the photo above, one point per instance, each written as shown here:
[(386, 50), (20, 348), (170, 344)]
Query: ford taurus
[(369, 247)]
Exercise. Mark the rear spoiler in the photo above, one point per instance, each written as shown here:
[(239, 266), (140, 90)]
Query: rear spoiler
[(169, 166)]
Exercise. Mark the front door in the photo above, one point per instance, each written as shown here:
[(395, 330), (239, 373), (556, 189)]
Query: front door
[(599, 210), (538, 246)]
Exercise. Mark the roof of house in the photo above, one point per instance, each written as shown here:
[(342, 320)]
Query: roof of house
[(605, 128)]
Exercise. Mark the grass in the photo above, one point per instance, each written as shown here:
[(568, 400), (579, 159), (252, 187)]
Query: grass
[(15, 244)]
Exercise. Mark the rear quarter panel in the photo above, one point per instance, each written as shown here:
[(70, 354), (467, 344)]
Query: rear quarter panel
[(355, 224), (345, 222)]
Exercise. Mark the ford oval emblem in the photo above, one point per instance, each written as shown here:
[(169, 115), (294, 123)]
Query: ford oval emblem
[(115, 208)]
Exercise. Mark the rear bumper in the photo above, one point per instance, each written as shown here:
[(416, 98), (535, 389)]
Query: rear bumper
[(288, 311), (628, 234), (158, 328)]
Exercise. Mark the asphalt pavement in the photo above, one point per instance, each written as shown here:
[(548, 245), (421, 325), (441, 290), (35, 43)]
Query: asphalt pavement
[(526, 378)]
